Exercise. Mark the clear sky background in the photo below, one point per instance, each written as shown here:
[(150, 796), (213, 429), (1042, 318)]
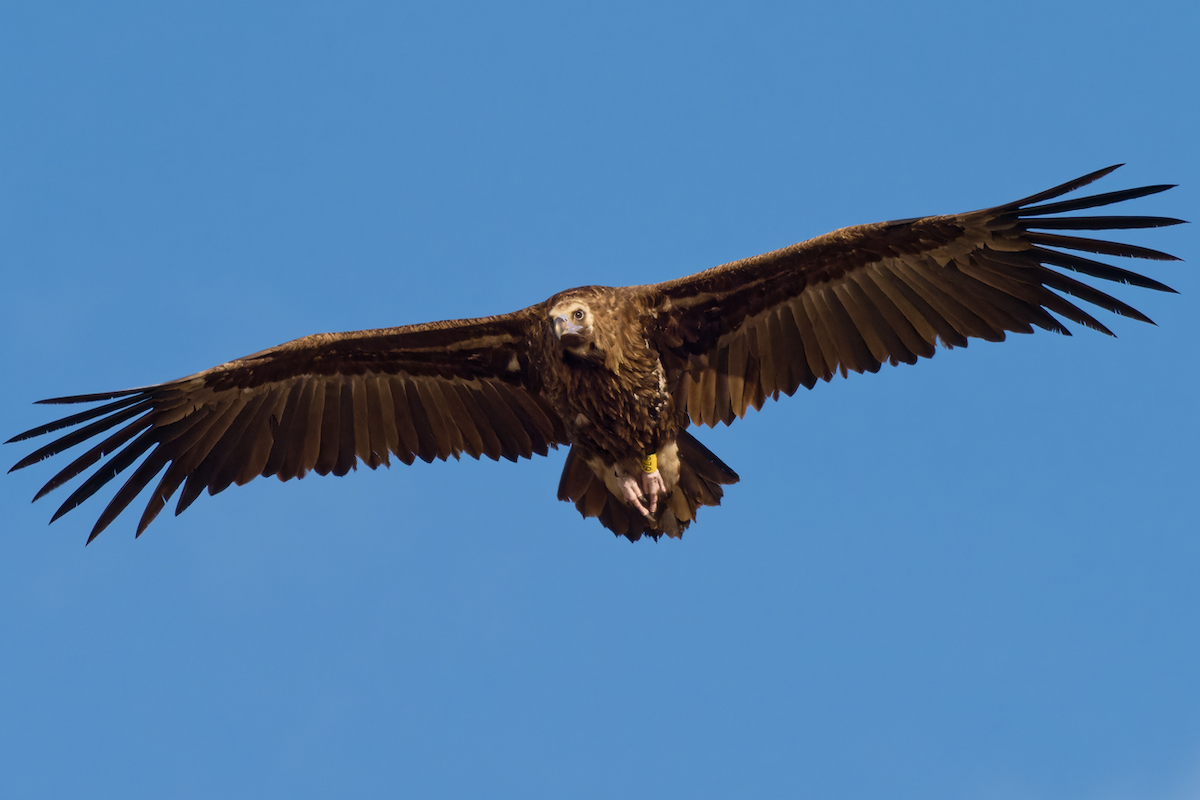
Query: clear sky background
[(978, 577)]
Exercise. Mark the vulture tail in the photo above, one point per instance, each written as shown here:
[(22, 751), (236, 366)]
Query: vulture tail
[(701, 476)]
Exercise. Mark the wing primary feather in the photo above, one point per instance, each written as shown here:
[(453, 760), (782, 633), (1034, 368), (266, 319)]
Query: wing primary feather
[(1079, 203), (1061, 189), (66, 422), (106, 472), (1098, 269), (1061, 305), (185, 451), (109, 445), (141, 476), (1065, 283), (87, 432), (158, 498), (1097, 246), (192, 489), (1045, 299), (1098, 223), (93, 398)]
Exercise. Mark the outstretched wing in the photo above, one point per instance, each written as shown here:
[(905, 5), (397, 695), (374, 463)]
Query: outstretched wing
[(320, 403), (860, 297)]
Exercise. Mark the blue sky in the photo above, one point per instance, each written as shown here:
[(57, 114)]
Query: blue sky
[(971, 578)]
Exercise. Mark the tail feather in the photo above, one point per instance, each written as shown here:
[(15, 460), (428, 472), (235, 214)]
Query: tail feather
[(701, 476)]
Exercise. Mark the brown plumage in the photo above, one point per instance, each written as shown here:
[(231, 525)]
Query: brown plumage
[(617, 373)]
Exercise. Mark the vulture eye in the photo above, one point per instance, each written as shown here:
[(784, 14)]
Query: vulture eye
[(578, 313)]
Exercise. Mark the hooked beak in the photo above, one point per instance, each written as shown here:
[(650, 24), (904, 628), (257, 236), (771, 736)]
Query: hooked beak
[(563, 326)]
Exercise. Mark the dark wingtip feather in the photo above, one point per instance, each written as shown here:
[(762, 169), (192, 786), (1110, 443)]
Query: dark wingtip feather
[(1098, 246), (83, 416), (1098, 223), (89, 398), (1098, 269), (1090, 201), (1061, 189), (63, 509)]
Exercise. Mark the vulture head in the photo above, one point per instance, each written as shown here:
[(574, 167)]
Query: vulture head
[(572, 321)]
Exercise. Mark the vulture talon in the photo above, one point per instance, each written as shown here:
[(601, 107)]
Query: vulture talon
[(632, 493), (653, 487)]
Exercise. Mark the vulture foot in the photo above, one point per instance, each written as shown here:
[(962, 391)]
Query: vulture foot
[(642, 495)]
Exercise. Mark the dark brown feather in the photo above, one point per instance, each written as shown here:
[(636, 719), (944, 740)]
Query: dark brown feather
[(406, 432), (285, 428)]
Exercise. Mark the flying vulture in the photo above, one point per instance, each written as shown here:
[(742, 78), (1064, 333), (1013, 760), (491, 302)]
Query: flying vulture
[(617, 374)]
